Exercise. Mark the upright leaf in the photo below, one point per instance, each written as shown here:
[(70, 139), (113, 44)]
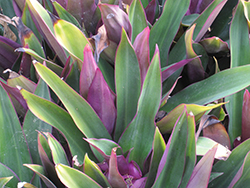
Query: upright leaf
[(32, 124), (179, 156), (245, 116), (13, 147), (201, 174), (137, 18), (81, 112), (101, 99), (128, 84), (141, 129), (239, 38), (163, 33)]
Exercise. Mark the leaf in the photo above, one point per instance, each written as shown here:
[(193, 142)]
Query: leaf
[(81, 112), (230, 167), (7, 55), (114, 177), (241, 178), (93, 171), (216, 131), (245, 116), (74, 178), (88, 70), (141, 47), (63, 14), (214, 45), (201, 173), (212, 89), (159, 147), (127, 76), (179, 156), (54, 115), (163, 33), (203, 22), (238, 39), (193, 69), (43, 20), (141, 129), (32, 124), (204, 144), (167, 123), (63, 34), (103, 146), (137, 18), (41, 173), (7, 172), (13, 147), (114, 20), (4, 181), (57, 151)]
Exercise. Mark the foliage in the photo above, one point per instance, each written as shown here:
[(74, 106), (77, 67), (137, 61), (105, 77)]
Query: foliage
[(124, 93)]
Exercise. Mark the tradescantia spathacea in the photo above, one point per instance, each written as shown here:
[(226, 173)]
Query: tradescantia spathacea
[(131, 93)]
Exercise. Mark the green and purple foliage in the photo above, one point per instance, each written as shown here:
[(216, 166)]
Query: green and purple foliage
[(131, 93)]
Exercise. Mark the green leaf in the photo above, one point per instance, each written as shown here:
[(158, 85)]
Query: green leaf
[(4, 181), (159, 147), (43, 19), (66, 34), (239, 37), (41, 173), (137, 18), (58, 153), (32, 124), (203, 22), (81, 112), (141, 129), (63, 14), (179, 148), (167, 123), (231, 166), (93, 170), (7, 172), (128, 84), (213, 88), (13, 147), (164, 30), (74, 178), (54, 115), (241, 179)]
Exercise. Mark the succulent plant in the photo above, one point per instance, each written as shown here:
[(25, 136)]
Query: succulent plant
[(124, 93)]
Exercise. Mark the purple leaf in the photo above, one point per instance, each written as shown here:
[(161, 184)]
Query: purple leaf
[(141, 47), (245, 127), (8, 56), (100, 98), (18, 6), (25, 65), (140, 183), (14, 92), (114, 177), (198, 6), (87, 74), (173, 68), (201, 172), (85, 12), (114, 20), (63, 3), (150, 11)]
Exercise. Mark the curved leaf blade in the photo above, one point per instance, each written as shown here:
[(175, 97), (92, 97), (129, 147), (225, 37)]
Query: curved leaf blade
[(81, 112)]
